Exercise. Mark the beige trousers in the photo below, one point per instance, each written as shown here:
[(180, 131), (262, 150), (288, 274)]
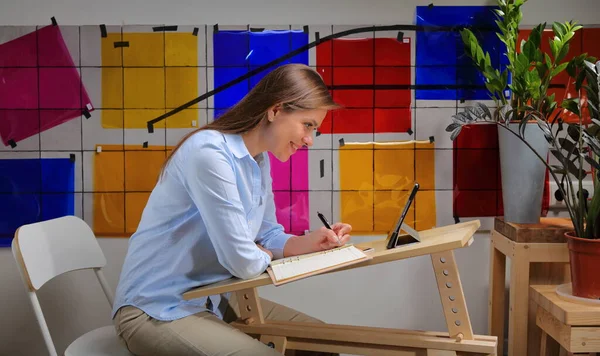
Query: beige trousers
[(201, 334)]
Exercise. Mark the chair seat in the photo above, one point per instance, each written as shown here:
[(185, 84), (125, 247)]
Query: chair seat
[(99, 342)]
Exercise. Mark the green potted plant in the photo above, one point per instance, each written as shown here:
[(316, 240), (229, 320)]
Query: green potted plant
[(573, 145), (531, 72)]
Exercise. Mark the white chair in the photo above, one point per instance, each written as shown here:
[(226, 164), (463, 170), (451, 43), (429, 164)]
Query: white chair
[(47, 249)]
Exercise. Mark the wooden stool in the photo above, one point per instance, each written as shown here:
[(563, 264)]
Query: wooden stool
[(574, 325), (539, 255)]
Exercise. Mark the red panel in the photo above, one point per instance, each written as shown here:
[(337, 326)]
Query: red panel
[(392, 98), (352, 76), (327, 74), (392, 120), (354, 98), (326, 125), (392, 75), (353, 52), (353, 121), (478, 136), (591, 41), (324, 54), (390, 52), (477, 176)]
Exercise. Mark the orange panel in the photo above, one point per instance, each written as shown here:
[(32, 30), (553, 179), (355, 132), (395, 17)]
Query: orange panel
[(357, 210), (109, 214), (134, 206)]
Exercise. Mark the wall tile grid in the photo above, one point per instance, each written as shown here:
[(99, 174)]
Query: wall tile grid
[(75, 102)]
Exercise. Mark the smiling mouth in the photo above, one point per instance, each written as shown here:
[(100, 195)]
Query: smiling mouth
[(294, 147)]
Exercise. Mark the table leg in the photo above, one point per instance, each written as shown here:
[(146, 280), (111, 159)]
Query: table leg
[(519, 302), (496, 296)]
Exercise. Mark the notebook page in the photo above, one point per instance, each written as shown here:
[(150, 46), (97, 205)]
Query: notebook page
[(297, 267)]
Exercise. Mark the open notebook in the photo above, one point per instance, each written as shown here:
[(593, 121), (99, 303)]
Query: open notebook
[(297, 267)]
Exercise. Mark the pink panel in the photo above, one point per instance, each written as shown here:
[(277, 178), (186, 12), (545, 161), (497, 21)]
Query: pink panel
[(280, 173), (59, 88), (283, 209), (300, 170), (300, 215)]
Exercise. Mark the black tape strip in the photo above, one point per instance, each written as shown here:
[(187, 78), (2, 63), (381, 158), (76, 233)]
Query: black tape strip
[(12, 143), (103, 32), (322, 163), (409, 131), (400, 36), (145, 144), (122, 44), (150, 127), (72, 157), (317, 38), (462, 100), (195, 33), (430, 5), (342, 143), (256, 29), (456, 220), (318, 133), (299, 50), (164, 28), (86, 113), (216, 28), (54, 23), (305, 28), (431, 139)]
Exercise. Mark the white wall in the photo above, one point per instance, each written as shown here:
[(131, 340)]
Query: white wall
[(400, 294)]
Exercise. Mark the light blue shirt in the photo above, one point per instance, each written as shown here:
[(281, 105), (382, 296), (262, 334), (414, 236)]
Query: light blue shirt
[(201, 226)]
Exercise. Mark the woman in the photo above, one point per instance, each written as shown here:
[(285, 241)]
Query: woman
[(211, 216)]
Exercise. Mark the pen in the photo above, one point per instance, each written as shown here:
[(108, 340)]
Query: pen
[(326, 223)]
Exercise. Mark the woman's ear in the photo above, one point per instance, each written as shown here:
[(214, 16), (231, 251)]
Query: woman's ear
[(273, 111)]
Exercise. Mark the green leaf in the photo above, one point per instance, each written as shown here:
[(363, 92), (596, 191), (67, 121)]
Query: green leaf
[(574, 132), (452, 127), (455, 133), (556, 71), (568, 146), (558, 29), (592, 162), (571, 105), (554, 48), (562, 52), (548, 61)]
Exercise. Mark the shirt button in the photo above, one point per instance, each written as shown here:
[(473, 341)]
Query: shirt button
[(249, 223)]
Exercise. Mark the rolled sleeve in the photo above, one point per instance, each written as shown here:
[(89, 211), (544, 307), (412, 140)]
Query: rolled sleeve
[(211, 182)]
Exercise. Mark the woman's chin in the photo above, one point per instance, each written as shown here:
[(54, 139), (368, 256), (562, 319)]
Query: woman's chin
[(282, 156)]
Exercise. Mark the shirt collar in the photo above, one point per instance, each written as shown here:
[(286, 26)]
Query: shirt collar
[(237, 145)]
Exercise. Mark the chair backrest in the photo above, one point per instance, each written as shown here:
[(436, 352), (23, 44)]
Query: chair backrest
[(47, 249), (50, 248)]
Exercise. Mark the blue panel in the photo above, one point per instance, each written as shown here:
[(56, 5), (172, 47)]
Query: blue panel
[(33, 190), (445, 49), (231, 95), (264, 46), (231, 48)]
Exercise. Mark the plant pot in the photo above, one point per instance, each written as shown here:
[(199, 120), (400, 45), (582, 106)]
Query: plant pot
[(523, 173), (584, 256)]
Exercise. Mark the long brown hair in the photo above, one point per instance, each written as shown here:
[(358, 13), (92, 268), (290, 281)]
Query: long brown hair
[(293, 86)]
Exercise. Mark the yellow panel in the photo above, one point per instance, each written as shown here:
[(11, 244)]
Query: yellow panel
[(181, 49), (356, 169), (135, 204), (182, 86), (394, 168), (141, 172), (184, 118), (111, 56), (145, 50), (112, 119), (142, 168), (426, 212), (109, 214), (138, 119), (425, 159), (388, 206), (144, 88), (357, 210), (108, 169), (112, 88)]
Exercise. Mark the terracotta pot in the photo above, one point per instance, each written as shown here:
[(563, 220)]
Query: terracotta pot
[(584, 255)]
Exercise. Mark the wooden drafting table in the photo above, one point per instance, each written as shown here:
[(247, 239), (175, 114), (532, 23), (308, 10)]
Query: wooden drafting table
[(439, 242)]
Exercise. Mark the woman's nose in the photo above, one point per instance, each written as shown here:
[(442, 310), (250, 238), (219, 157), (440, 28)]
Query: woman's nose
[(308, 141)]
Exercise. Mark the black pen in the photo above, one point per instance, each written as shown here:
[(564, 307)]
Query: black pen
[(326, 223)]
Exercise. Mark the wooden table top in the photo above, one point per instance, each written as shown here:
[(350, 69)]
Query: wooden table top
[(570, 313), (550, 230)]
